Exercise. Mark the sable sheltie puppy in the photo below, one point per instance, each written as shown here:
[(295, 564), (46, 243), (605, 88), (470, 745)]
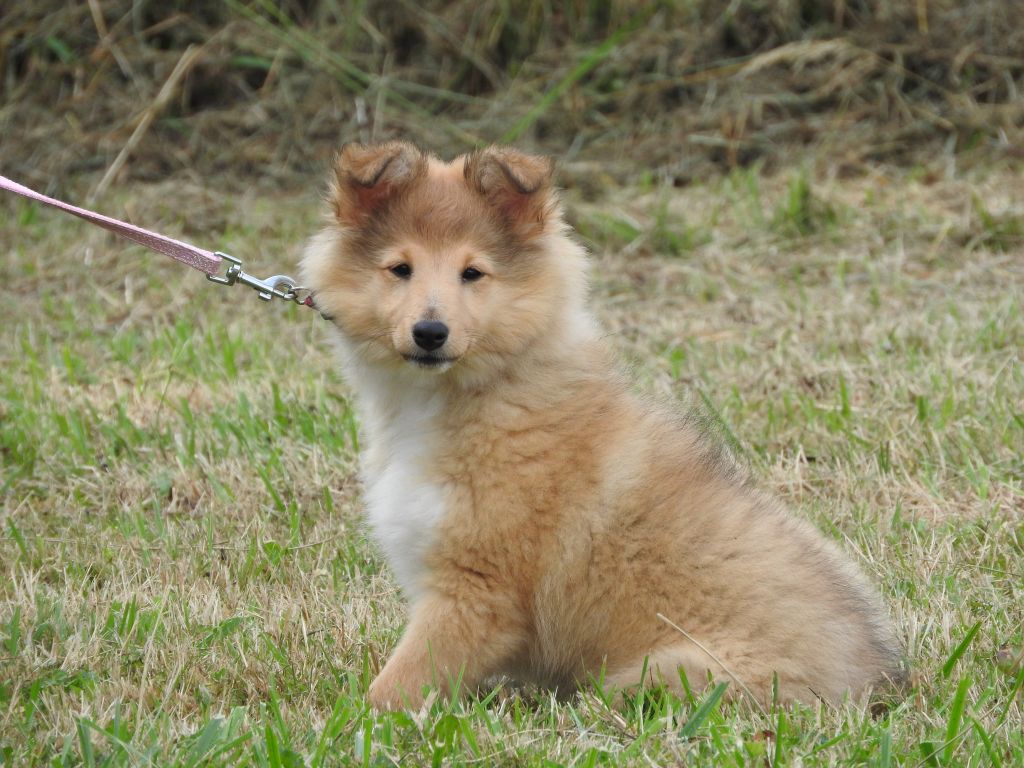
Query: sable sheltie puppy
[(544, 521)]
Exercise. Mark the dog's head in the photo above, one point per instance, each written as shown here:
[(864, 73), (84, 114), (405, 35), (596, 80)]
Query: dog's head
[(457, 266)]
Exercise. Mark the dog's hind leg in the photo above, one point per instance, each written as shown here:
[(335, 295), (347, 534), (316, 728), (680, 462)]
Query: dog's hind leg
[(670, 665), (665, 667)]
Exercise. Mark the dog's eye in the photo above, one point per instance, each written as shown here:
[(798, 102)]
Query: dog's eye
[(401, 270), (471, 275)]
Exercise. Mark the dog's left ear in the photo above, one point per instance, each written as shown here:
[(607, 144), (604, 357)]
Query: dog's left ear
[(517, 185)]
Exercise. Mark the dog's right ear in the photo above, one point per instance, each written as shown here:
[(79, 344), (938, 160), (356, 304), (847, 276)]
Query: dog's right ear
[(367, 177)]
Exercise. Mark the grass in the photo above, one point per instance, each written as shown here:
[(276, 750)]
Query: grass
[(185, 580)]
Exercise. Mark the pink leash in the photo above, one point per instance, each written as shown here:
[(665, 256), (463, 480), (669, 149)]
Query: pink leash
[(281, 286)]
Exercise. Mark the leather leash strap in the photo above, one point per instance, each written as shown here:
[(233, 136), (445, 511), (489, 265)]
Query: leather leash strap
[(278, 286), (197, 258)]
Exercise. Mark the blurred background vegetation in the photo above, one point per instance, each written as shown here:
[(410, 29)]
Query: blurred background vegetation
[(262, 92)]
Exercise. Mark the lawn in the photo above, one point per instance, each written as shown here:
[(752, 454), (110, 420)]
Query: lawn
[(185, 575)]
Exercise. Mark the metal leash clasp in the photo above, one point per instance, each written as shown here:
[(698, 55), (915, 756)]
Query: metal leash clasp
[(281, 286)]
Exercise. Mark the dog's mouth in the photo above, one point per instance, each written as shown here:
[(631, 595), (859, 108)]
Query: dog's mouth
[(436, 362)]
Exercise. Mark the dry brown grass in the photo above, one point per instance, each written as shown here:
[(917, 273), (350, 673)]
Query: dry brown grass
[(622, 91)]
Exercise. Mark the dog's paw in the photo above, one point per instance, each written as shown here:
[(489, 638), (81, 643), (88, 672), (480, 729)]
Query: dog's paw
[(386, 696)]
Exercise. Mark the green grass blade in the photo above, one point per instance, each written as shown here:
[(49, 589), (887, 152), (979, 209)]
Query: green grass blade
[(85, 743), (885, 749), (956, 714), (929, 753), (205, 741), (696, 720), (954, 657), (986, 740)]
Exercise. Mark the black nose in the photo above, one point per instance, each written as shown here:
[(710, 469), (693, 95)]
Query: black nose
[(430, 334)]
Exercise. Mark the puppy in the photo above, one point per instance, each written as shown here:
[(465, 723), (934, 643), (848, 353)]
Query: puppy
[(543, 520)]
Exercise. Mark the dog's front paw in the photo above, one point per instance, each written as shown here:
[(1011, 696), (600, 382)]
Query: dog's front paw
[(385, 695)]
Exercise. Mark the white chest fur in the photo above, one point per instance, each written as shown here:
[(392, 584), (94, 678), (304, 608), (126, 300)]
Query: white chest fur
[(405, 503)]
